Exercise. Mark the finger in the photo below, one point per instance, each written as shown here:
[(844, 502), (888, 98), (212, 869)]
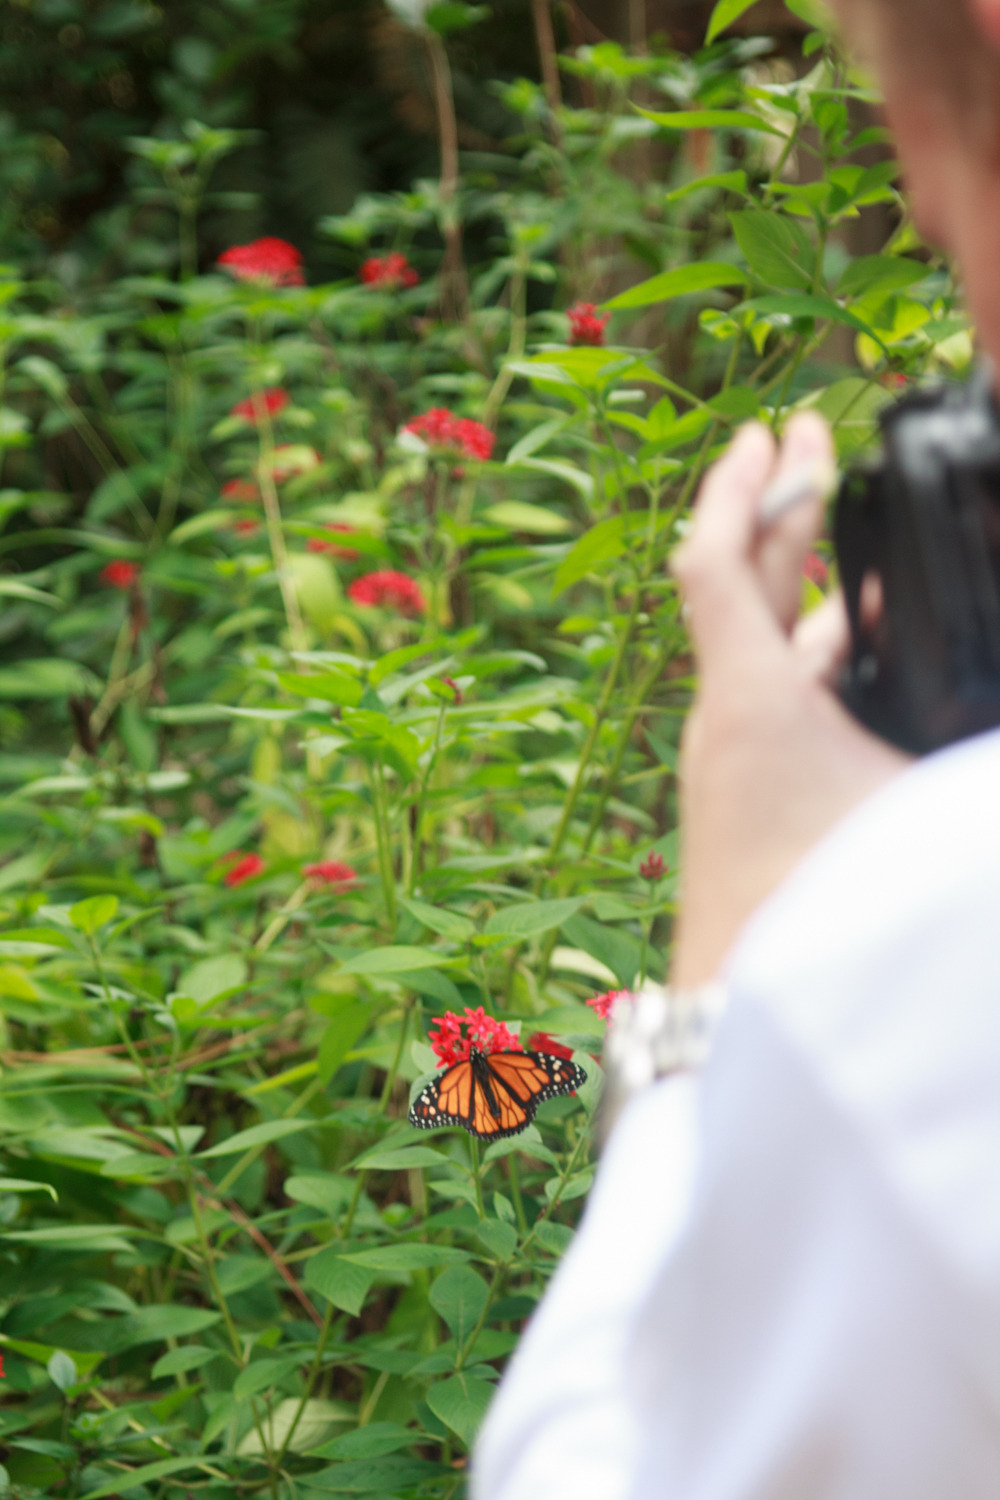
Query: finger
[(720, 583), (822, 640), (782, 550)]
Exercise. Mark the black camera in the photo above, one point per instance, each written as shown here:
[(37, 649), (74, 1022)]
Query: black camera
[(917, 537)]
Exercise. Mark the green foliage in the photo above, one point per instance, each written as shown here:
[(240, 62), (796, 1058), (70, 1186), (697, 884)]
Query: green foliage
[(260, 825)]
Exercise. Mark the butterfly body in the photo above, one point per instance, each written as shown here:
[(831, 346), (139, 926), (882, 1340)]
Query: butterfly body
[(496, 1094)]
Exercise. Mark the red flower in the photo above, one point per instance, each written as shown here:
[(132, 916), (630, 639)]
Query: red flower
[(244, 528), (274, 399), (388, 588), (653, 868), (542, 1042), (389, 271), (330, 872), (239, 491), (316, 544), (816, 570), (270, 260), (481, 1031), (603, 1003), (586, 324), (245, 868), (450, 682), (120, 574), (443, 431), (1, 1368)]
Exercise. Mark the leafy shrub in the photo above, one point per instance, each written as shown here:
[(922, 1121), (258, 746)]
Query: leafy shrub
[(341, 690)]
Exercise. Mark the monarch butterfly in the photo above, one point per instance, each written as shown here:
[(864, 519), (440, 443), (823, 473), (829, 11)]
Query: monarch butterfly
[(494, 1095)]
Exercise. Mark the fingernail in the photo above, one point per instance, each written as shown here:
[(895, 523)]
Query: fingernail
[(814, 480)]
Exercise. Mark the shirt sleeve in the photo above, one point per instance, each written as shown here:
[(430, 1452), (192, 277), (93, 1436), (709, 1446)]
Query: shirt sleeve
[(562, 1426)]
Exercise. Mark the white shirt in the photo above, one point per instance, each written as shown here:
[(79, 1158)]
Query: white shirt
[(787, 1282)]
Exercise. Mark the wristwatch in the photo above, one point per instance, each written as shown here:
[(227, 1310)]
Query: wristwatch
[(657, 1031)]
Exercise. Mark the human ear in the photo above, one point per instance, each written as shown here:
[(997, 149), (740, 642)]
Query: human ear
[(986, 18)]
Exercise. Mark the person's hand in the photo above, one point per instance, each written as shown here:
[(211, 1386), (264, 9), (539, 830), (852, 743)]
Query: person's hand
[(770, 758)]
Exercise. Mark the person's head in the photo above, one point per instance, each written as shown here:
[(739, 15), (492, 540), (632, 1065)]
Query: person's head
[(938, 63)]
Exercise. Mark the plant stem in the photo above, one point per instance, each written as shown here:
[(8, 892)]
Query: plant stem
[(275, 530), (454, 290)]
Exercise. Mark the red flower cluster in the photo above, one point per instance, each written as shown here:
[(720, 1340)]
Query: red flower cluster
[(239, 492), (274, 399), (603, 1003), (586, 324), (389, 589), (443, 431), (481, 1030), (653, 867), (816, 570), (120, 574), (330, 872), (542, 1042), (388, 272), (244, 528), (245, 868), (316, 544), (270, 260)]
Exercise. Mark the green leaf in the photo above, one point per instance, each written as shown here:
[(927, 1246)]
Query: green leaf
[(460, 1296), (257, 1135), (776, 248), (600, 544), (344, 1030), (815, 14), (344, 1284), (448, 923), (22, 1185), (517, 515), (724, 14), (331, 687), (131, 1479), (709, 119), (62, 1371), (263, 1374), (370, 1442), (409, 1257), (87, 916), (699, 277), (86, 1237), (889, 273), (154, 1323), (179, 1361), (807, 305), (393, 960), (400, 1160), (212, 977), (461, 1403), (499, 1238), (730, 182), (531, 918), (23, 871), (619, 951)]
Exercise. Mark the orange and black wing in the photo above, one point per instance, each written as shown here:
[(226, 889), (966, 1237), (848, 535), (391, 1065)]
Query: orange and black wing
[(448, 1099), (527, 1079), (500, 1102)]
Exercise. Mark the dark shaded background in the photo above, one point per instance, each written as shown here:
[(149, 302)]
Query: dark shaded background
[(337, 90)]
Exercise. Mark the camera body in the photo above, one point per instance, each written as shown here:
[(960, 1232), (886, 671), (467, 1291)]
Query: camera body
[(917, 537)]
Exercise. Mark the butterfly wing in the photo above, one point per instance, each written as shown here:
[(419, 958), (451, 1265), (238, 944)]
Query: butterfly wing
[(449, 1099), (504, 1102), (531, 1077)]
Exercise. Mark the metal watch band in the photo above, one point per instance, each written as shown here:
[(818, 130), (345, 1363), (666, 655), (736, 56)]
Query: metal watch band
[(659, 1031)]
